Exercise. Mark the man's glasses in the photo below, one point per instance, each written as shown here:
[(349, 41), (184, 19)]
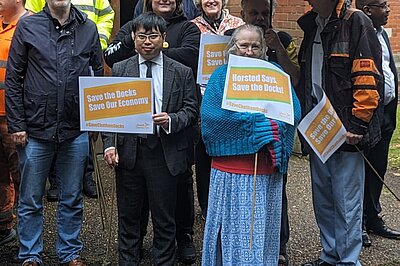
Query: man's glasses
[(246, 47), (143, 37), (383, 5)]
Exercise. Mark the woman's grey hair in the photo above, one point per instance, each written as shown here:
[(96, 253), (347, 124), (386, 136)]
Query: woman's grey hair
[(199, 4), (231, 46)]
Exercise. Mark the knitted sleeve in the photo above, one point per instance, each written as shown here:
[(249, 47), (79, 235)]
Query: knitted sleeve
[(227, 133)]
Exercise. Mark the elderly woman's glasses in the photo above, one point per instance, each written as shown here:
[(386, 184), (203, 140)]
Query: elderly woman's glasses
[(244, 47), (143, 37)]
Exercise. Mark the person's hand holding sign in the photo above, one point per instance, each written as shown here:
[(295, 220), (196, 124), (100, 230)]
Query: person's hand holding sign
[(111, 157), (161, 119), (353, 139)]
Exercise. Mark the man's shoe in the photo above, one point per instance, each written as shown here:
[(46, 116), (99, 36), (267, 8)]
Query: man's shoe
[(366, 241), (186, 252), (7, 236), (381, 229), (53, 193), (89, 189)]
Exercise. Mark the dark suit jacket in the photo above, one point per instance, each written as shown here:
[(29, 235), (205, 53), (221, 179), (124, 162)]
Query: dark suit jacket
[(181, 104), (391, 108)]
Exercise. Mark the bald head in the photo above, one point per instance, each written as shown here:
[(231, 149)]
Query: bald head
[(245, 3), (257, 12), (377, 10), (361, 3)]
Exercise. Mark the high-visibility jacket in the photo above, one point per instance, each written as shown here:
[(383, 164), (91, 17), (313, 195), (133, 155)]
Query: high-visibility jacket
[(98, 11), (6, 35)]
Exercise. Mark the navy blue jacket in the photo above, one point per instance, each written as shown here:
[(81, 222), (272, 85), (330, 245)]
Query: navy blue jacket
[(45, 61), (391, 108)]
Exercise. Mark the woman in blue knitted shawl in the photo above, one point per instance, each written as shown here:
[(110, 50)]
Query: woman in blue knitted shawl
[(243, 219)]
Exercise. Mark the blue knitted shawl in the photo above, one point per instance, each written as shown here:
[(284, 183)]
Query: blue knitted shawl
[(228, 133)]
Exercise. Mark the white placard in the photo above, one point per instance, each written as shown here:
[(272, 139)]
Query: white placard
[(257, 86), (323, 130), (116, 104), (211, 55)]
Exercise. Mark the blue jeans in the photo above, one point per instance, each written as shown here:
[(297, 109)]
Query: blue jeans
[(35, 161)]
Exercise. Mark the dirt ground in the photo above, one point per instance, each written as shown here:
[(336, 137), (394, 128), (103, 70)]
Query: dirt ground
[(304, 236)]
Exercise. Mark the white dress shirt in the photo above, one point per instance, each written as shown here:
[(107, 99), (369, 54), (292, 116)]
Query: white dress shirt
[(387, 72), (157, 73)]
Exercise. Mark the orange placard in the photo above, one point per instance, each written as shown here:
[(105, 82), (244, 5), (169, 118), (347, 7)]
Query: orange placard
[(213, 57), (116, 100), (254, 83), (324, 128)]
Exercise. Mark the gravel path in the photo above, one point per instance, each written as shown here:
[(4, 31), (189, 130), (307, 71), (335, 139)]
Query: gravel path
[(303, 244)]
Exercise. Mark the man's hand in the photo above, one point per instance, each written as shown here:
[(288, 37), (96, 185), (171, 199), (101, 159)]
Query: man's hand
[(272, 40), (353, 139), (161, 119), (111, 157), (20, 138)]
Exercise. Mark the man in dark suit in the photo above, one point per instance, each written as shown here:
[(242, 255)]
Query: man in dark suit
[(152, 164), (378, 11)]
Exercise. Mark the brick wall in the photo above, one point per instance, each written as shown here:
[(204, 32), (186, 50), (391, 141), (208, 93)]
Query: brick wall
[(394, 25), (285, 18)]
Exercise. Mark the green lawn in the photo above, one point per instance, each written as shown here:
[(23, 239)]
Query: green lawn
[(394, 152)]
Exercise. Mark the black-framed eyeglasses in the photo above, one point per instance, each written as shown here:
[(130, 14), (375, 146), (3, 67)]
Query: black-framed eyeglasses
[(143, 37), (383, 5)]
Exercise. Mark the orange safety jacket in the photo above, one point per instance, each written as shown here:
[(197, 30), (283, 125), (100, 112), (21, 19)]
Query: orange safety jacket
[(6, 35)]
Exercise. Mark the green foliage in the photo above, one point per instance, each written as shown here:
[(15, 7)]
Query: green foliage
[(394, 149)]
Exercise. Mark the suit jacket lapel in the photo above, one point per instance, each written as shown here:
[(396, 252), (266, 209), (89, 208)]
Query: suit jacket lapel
[(168, 80), (132, 68)]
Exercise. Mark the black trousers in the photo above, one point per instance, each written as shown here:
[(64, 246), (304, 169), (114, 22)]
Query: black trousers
[(284, 238), (203, 170), (184, 216), (150, 177), (378, 157), (185, 205)]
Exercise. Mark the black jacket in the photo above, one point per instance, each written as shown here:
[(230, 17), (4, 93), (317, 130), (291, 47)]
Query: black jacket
[(391, 108), (351, 72), (45, 61), (183, 39)]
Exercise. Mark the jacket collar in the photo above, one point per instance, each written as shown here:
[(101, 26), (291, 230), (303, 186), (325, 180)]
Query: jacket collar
[(75, 15), (307, 21)]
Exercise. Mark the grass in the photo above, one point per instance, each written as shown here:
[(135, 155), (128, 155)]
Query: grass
[(394, 149)]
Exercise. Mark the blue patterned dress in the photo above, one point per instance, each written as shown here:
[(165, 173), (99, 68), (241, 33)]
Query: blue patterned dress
[(229, 216)]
